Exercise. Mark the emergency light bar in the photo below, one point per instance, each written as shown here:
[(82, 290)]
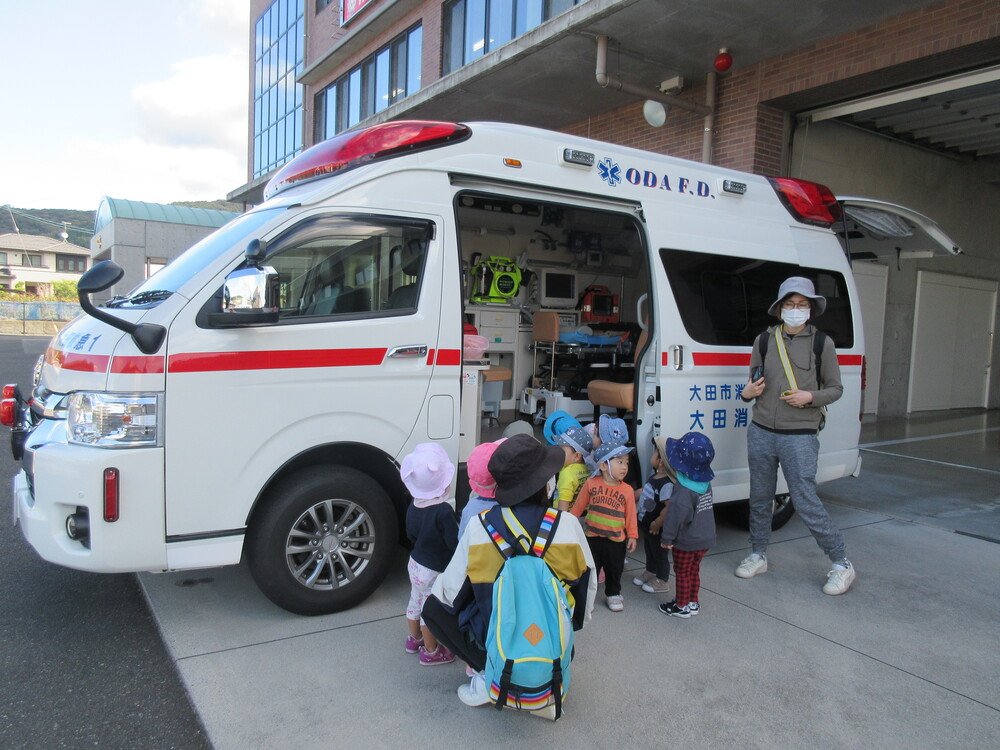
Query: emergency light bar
[(357, 147), (808, 202)]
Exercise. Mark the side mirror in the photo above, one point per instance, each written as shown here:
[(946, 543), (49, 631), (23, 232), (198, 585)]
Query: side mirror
[(147, 336), (99, 277), (255, 252), (250, 296)]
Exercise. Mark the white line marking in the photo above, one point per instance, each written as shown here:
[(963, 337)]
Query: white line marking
[(932, 461), (929, 437)]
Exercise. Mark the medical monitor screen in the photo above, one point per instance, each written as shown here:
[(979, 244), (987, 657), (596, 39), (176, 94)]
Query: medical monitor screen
[(558, 289)]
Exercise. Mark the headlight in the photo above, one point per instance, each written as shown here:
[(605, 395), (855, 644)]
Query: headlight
[(113, 420)]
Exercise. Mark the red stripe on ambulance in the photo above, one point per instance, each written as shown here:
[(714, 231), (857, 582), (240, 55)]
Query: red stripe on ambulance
[(277, 360), (738, 359)]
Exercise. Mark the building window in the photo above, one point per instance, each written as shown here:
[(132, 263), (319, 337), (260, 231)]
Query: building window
[(474, 27), (71, 263), (389, 75), (279, 47), (153, 265), (34, 261), (3, 259)]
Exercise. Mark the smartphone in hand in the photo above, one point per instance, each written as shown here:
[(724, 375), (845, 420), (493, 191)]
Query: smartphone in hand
[(756, 373)]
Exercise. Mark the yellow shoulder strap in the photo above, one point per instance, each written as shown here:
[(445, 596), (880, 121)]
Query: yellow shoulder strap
[(779, 341)]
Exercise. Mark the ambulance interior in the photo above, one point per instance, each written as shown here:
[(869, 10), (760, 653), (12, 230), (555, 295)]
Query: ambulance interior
[(553, 289)]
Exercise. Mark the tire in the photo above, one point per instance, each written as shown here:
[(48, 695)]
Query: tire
[(301, 556), (783, 510)]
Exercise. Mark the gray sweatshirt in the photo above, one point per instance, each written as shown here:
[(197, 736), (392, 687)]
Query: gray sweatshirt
[(690, 522), (769, 411)]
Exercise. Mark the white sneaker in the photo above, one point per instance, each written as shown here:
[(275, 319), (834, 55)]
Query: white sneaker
[(616, 603), (752, 565), (839, 579), (644, 577), (475, 693)]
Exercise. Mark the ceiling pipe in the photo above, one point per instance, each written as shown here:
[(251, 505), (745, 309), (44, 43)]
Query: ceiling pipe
[(606, 81), (707, 110), (708, 138)]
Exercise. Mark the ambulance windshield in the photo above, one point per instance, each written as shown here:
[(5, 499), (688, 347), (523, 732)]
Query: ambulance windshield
[(175, 274)]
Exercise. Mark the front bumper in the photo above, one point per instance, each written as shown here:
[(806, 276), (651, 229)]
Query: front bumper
[(58, 478)]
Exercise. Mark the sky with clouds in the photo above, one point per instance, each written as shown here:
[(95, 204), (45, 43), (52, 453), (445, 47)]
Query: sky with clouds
[(137, 99)]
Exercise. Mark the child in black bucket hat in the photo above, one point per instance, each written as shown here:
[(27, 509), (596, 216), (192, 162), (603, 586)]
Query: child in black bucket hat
[(689, 528)]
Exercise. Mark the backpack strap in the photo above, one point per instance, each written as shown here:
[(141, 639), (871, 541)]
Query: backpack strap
[(501, 544), (819, 341)]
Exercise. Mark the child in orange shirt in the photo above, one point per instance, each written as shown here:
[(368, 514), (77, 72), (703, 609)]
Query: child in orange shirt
[(607, 505)]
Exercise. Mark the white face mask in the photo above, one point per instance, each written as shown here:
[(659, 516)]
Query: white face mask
[(794, 318)]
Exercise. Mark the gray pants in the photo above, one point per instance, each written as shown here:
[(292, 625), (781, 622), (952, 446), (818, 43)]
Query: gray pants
[(797, 455)]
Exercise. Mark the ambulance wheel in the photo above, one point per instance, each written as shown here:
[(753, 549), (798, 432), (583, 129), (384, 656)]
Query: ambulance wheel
[(783, 510), (322, 540)]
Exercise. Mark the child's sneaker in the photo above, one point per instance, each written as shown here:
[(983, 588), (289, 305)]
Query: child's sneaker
[(616, 603), (433, 658), (694, 608), (752, 565), (671, 608), (656, 586), (470, 671), (413, 644), (839, 579), (475, 693), (643, 578)]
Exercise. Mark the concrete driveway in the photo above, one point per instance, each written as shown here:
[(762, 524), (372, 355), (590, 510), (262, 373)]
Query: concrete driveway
[(910, 657)]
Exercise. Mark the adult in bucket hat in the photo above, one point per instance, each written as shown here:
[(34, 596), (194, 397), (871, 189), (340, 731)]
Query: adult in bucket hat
[(790, 394), (802, 286), (461, 601)]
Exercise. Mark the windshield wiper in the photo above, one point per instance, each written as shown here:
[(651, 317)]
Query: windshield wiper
[(142, 298)]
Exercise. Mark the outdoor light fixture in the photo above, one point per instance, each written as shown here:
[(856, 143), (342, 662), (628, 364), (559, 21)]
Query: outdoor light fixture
[(655, 113)]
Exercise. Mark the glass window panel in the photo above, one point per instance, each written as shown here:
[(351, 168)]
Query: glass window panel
[(414, 54), (383, 93), (354, 98), (501, 26), (475, 29), (368, 87), (558, 6), (398, 75), (454, 36), (529, 15)]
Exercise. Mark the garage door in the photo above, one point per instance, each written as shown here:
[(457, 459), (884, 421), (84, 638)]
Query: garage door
[(953, 329)]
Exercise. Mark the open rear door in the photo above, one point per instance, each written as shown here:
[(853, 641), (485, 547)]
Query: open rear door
[(874, 230)]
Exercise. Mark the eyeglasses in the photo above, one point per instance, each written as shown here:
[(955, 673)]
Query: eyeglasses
[(795, 305)]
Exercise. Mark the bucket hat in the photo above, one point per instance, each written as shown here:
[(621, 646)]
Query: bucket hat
[(427, 471), (692, 456), (480, 480), (521, 466), (556, 424), (577, 439), (612, 429), (518, 427), (798, 285), (605, 452), (660, 442)]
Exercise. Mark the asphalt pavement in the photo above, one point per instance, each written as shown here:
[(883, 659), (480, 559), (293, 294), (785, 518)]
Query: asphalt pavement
[(82, 661)]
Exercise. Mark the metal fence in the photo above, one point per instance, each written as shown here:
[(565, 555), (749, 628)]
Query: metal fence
[(36, 318)]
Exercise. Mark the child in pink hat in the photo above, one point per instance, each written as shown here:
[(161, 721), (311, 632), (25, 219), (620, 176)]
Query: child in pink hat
[(427, 473), (481, 483)]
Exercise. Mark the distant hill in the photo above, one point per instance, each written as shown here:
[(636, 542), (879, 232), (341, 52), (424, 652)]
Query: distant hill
[(48, 222)]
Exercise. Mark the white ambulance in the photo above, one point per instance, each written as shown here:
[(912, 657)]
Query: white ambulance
[(254, 397)]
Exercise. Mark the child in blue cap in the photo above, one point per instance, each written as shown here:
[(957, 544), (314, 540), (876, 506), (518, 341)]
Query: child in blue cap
[(689, 527), (563, 430)]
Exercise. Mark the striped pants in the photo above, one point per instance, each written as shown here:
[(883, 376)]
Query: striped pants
[(687, 569)]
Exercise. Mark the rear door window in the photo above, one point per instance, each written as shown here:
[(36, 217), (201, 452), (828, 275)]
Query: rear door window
[(723, 300)]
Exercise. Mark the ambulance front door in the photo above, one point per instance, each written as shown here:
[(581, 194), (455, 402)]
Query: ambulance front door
[(357, 357)]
